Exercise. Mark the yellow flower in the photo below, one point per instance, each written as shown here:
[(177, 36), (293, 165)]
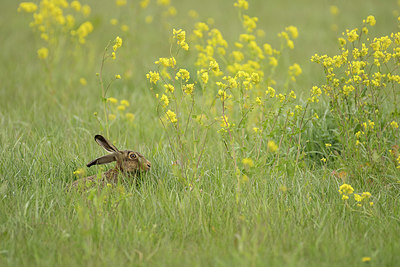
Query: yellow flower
[(86, 10), (166, 62), (121, 107), (125, 102), (83, 81), (366, 259), (188, 88), (180, 36), (328, 145), (117, 43), (153, 77), (124, 28), (334, 10), (324, 160), (148, 19), (371, 20), (113, 56), (352, 35), (130, 116), (272, 147), (242, 4), (184, 74), (256, 130), (249, 23), (28, 7), (295, 70), (346, 189), (394, 125), (193, 14), (169, 88), (111, 117), (203, 74), (222, 95), (76, 5), (112, 100), (117, 76), (43, 53), (144, 3), (270, 91), (83, 30), (164, 99), (248, 162), (273, 61), (79, 172), (293, 31), (163, 2), (342, 41), (171, 116), (120, 2)]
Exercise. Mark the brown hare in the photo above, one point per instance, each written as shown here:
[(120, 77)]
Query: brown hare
[(129, 163)]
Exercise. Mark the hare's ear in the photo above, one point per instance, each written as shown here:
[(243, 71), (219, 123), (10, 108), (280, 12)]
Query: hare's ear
[(103, 142), (103, 160)]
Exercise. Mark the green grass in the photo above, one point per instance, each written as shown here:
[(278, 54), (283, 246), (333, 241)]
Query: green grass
[(46, 135)]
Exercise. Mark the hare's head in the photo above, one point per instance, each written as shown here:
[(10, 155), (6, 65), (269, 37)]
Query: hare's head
[(127, 161)]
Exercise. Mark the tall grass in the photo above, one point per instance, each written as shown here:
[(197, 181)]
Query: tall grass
[(290, 216)]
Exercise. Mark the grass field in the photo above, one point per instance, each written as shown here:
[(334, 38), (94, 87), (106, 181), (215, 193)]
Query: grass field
[(217, 195)]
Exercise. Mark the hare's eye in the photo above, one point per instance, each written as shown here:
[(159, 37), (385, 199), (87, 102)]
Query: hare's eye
[(132, 156)]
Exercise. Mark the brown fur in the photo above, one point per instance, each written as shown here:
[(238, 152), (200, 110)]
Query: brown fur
[(129, 164)]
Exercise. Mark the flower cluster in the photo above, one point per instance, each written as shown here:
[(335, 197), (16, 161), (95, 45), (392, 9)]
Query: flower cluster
[(53, 18), (361, 199), (358, 79), (118, 109)]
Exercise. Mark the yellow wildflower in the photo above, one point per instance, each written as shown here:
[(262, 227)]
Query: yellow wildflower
[(188, 88), (346, 189), (184, 74), (293, 31), (121, 107), (371, 20), (352, 35), (394, 125), (76, 5), (120, 2), (43, 53), (153, 77), (270, 91), (366, 259), (28, 7), (83, 81), (242, 4), (272, 147), (125, 102), (111, 117), (130, 116), (112, 100), (248, 162), (164, 99), (117, 43), (171, 116), (117, 76), (334, 10), (124, 28), (169, 88)]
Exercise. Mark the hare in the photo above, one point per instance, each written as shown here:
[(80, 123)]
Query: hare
[(129, 163)]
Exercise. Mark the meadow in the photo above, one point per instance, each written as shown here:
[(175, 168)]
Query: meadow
[(272, 128)]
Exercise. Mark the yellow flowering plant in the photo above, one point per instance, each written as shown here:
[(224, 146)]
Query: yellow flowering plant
[(362, 87), (60, 25)]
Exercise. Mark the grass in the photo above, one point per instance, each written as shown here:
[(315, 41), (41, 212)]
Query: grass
[(292, 217)]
